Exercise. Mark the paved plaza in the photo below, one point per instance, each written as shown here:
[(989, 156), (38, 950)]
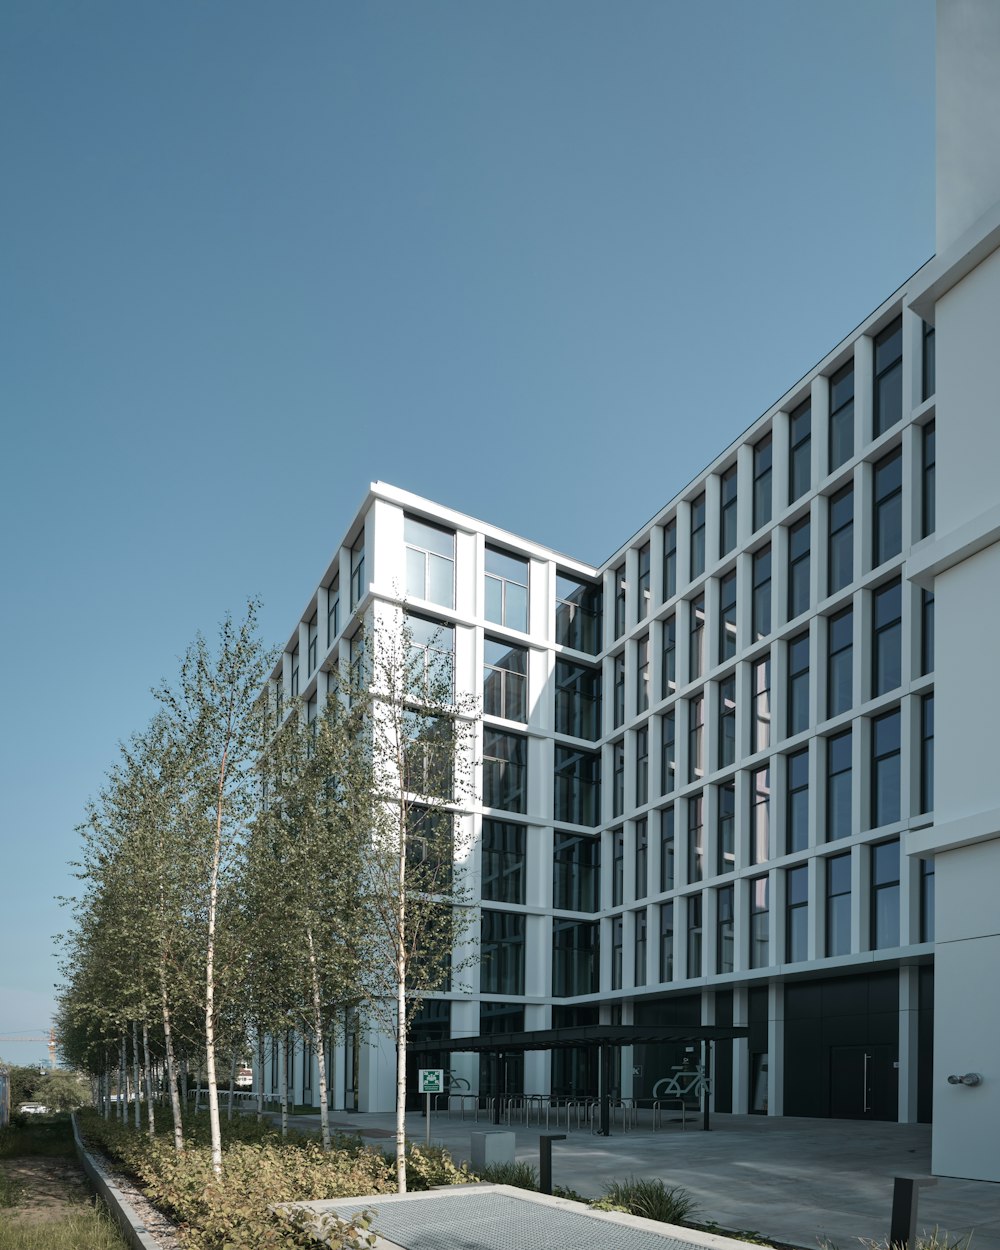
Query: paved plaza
[(796, 1180)]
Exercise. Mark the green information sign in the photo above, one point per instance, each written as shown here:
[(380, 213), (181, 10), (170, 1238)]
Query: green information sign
[(431, 1080)]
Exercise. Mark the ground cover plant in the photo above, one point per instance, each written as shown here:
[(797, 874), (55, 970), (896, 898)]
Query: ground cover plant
[(261, 1169)]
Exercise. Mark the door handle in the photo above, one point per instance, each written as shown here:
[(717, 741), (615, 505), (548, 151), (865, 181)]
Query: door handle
[(866, 1101)]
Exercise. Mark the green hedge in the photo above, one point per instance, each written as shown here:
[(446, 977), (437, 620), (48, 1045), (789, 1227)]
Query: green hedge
[(260, 1169)]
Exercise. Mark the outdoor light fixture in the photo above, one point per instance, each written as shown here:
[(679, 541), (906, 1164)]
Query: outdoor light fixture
[(970, 1078)]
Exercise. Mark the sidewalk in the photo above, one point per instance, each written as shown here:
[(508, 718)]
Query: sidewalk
[(796, 1180)]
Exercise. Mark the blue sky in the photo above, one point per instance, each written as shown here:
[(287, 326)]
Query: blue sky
[(540, 262)]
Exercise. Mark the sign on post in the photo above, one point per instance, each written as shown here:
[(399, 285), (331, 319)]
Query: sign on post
[(431, 1081)]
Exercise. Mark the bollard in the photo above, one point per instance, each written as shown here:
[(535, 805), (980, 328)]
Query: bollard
[(545, 1160), (903, 1225)]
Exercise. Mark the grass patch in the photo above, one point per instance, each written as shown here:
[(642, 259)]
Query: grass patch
[(11, 1191), (89, 1228), (52, 1138), (650, 1199), (520, 1173)]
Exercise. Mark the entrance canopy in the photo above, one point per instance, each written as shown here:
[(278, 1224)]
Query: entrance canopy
[(605, 1037)]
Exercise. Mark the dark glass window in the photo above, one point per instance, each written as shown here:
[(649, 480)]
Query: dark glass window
[(358, 570), (641, 766), (642, 674), (669, 559), (838, 786), (576, 872), (639, 945), (888, 389), (506, 589), (798, 568), (642, 583), (885, 895), (619, 689), (887, 622), (503, 861), (667, 848), (886, 732), (666, 941), (725, 932), (798, 683), (887, 530), (840, 553), (501, 953), (668, 755), (694, 932), (696, 738), (727, 616), (617, 867), (760, 726), (428, 755), (696, 838), (799, 451), (578, 700), (332, 615), (696, 637), (505, 680), (312, 638), (577, 786), (619, 576), (575, 957), (926, 632), (838, 905), (759, 916), (617, 777), (797, 801), (760, 815), (727, 722), (797, 914), (841, 416), (668, 668), (727, 511), (929, 380), (762, 462), (727, 826), (840, 663), (617, 934), (294, 685), (505, 770), (431, 669), (697, 536), (927, 900), (430, 562), (761, 606), (641, 858), (928, 502), (927, 753), (578, 614)]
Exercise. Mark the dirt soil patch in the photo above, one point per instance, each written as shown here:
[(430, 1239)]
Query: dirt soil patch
[(53, 1188)]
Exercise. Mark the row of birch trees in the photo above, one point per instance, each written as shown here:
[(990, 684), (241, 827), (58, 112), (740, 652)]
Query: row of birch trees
[(254, 868)]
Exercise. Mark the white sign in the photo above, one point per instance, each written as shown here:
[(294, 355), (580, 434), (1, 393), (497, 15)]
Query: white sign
[(431, 1080)]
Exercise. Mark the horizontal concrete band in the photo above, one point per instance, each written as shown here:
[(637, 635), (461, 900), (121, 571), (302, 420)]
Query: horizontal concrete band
[(124, 1213)]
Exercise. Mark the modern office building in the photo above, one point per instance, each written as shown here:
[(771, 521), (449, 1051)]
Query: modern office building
[(744, 772)]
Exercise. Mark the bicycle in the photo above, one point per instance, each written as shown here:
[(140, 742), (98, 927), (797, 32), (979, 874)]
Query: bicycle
[(454, 1081), (695, 1083)]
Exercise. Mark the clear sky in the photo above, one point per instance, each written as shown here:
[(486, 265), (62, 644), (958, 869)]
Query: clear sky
[(537, 261)]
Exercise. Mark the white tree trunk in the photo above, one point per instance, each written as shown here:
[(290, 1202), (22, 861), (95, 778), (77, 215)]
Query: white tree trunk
[(283, 1085), (135, 1074), (168, 1046), (318, 1036), (122, 1082), (213, 904), (260, 1070), (150, 1113), (232, 1085)]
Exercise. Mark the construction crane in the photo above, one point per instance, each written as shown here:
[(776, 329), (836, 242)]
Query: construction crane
[(25, 1036)]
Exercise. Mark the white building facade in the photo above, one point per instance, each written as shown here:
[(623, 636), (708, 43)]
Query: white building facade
[(716, 784)]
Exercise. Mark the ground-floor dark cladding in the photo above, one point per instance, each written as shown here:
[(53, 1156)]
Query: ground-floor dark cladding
[(841, 1043)]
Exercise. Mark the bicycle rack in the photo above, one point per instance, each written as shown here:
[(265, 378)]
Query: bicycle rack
[(658, 1106)]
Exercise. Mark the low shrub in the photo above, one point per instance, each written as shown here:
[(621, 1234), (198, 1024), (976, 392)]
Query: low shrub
[(11, 1191), (520, 1173), (52, 1138), (650, 1199), (261, 1169)]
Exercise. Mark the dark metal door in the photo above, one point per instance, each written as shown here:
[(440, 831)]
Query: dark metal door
[(860, 1082)]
